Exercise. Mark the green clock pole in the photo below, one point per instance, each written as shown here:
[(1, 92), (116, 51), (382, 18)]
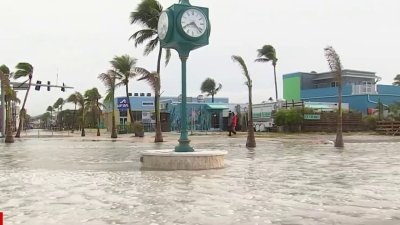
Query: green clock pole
[(184, 139), (174, 36)]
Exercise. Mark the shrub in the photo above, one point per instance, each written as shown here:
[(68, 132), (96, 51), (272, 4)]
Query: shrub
[(291, 119)]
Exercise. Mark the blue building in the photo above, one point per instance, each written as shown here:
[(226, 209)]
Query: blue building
[(202, 113), (360, 89)]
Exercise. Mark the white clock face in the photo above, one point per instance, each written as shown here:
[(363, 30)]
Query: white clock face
[(162, 28), (194, 22)]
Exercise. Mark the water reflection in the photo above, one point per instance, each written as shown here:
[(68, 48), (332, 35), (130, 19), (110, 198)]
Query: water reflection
[(60, 181)]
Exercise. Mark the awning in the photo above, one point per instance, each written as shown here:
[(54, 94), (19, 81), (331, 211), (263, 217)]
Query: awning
[(217, 106)]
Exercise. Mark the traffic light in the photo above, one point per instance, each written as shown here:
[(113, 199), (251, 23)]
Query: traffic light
[(38, 83), (48, 88), (63, 88)]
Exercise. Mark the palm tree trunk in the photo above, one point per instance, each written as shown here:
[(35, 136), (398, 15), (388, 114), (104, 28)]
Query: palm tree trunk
[(339, 130), (73, 120), (114, 130), (18, 134), (51, 118), (83, 134), (158, 137), (276, 85), (251, 141), (212, 98), (9, 138), (129, 104), (98, 118)]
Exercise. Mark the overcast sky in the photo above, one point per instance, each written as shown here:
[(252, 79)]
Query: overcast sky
[(78, 38)]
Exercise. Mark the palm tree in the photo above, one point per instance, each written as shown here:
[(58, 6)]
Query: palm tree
[(397, 80), (336, 67), (124, 66), (9, 95), (23, 70), (251, 141), (265, 54), (50, 109), (147, 14), (58, 105), (73, 98), (81, 103), (209, 86), (45, 118), (92, 97), (108, 80), (154, 80)]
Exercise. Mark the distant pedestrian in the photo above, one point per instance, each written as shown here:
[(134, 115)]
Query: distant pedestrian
[(234, 122), (230, 123)]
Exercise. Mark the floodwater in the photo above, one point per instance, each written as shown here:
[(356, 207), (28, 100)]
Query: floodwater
[(82, 181)]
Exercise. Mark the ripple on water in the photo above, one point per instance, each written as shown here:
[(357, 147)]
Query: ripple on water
[(64, 182)]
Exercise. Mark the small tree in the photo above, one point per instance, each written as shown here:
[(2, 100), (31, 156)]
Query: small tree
[(209, 86), (291, 118)]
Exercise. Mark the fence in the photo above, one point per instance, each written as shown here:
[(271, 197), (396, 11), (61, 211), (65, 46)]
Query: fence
[(326, 122), (388, 127)]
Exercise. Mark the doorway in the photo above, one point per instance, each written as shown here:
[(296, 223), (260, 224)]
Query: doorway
[(215, 120)]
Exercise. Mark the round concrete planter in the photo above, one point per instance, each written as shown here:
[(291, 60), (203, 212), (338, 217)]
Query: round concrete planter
[(170, 160)]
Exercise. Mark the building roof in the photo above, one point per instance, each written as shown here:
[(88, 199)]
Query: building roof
[(217, 106)]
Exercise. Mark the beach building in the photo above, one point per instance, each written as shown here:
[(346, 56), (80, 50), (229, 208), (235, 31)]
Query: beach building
[(360, 89), (203, 114)]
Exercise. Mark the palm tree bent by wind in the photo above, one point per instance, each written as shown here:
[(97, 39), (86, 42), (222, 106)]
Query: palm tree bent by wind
[(336, 67), (9, 96), (23, 70), (251, 141), (154, 81), (147, 15), (124, 67), (108, 80), (265, 54)]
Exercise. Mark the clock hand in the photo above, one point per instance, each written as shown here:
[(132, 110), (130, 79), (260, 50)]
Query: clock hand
[(197, 27), (189, 24)]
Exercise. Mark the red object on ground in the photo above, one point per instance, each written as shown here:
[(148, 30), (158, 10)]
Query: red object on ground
[(1, 218)]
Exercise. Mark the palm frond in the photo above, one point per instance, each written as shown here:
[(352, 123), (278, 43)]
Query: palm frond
[(123, 64), (151, 46), (243, 66), (267, 53), (152, 78), (147, 13), (4, 69), (397, 80), (143, 35), (218, 88), (167, 56), (262, 60), (23, 70), (333, 60), (109, 80)]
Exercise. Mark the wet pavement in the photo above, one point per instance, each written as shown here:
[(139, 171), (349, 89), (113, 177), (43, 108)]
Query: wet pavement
[(67, 179)]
